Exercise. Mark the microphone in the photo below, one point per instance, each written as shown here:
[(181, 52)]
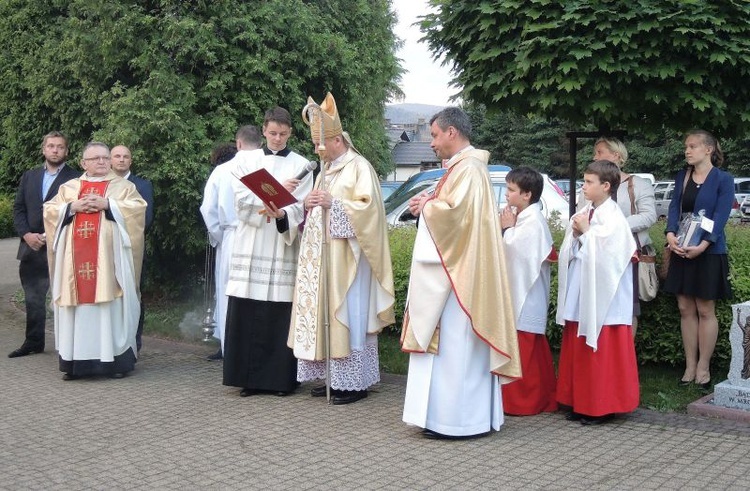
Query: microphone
[(309, 167)]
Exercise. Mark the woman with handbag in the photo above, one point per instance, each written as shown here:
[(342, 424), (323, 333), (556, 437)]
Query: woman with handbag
[(635, 195), (699, 274)]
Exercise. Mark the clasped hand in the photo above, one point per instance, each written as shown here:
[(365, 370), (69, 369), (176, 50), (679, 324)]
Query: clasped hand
[(416, 203), (690, 252), (580, 224), (90, 203), (34, 240), (318, 197), (507, 218)]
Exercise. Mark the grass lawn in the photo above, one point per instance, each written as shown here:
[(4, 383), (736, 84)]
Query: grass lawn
[(659, 383)]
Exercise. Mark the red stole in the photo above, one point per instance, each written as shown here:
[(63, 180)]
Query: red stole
[(86, 244)]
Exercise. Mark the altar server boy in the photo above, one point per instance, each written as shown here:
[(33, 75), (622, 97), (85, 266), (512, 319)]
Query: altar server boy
[(598, 374), (529, 249)]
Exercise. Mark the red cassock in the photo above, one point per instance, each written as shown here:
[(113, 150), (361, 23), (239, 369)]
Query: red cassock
[(601, 382), (535, 391)]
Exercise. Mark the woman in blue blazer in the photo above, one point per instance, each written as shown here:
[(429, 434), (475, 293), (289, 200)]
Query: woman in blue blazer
[(699, 275)]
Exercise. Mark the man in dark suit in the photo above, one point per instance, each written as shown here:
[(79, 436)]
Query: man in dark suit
[(122, 159), (37, 186)]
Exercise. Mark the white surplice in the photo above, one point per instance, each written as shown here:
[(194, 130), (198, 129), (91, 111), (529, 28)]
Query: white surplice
[(527, 246), (595, 277), (221, 221), (263, 262)]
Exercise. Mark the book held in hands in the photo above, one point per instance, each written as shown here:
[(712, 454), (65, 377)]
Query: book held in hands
[(267, 188), (690, 231)]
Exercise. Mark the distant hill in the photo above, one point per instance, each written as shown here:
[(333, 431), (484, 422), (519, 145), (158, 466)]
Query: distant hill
[(410, 113)]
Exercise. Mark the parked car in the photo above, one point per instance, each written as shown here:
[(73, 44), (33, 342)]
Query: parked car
[(388, 187), (553, 199), (421, 180), (741, 188), (564, 185), (664, 190), (742, 193), (658, 185), (745, 209)]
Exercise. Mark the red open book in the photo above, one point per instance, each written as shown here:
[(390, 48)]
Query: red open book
[(267, 188)]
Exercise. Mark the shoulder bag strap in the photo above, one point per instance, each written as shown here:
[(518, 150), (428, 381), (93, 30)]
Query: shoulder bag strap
[(632, 208)]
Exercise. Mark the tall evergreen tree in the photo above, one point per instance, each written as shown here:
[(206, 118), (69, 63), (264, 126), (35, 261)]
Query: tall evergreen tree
[(169, 78)]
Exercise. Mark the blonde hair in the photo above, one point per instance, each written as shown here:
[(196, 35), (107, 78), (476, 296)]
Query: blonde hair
[(615, 146)]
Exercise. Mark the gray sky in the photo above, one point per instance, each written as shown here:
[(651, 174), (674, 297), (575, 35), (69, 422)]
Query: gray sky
[(425, 82)]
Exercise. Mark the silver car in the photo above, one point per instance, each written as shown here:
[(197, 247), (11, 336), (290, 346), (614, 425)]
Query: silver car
[(664, 190), (553, 200)]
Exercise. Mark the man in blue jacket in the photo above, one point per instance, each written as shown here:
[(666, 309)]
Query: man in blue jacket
[(38, 185), (122, 159)]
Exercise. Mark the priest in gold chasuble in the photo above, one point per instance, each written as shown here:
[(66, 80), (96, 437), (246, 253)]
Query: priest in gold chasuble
[(345, 220), (95, 230), (459, 324)]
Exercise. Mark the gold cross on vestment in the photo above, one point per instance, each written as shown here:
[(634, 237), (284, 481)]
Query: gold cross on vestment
[(92, 191), (85, 230), (86, 271)]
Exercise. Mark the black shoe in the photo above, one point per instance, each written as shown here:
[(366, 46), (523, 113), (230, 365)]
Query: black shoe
[(596, 420), (348, 396), (70, 376), (216, 356), (434, 435), (319, 391), (248, 392), (117, 375), (25, 351), (705, 387), (573, 416)]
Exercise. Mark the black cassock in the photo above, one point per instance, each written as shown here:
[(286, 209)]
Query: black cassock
[(256, 355)]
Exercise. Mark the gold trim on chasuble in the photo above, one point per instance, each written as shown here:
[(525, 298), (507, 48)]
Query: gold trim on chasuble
[(305, 318)]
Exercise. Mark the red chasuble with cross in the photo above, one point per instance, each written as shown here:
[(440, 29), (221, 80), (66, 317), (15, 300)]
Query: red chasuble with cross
[(86, 244)]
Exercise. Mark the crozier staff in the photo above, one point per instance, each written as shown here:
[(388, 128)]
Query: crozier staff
[(359, 297)]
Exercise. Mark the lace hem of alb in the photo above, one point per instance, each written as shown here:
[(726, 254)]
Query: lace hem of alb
[(358, 371)]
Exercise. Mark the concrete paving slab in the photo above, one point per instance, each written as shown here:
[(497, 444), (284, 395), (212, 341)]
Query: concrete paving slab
[(172, 425)]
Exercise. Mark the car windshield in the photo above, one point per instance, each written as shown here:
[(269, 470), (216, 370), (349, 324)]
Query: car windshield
[(742, 187), (499, 189), (387, 190), (404, 194), (397, 196)]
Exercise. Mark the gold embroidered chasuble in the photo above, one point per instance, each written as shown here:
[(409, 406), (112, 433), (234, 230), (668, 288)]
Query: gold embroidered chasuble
[(353, 181), (462, 220), (130, 206)]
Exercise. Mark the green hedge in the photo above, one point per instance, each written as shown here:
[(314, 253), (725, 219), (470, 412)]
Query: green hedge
[(6, 217), (658, 338)]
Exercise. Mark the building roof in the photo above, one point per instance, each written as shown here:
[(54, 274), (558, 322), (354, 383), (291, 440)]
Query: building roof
[(396, 135), (413, 154)]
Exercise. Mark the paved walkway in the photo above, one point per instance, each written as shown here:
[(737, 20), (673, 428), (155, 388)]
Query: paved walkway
[(172, 425)]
